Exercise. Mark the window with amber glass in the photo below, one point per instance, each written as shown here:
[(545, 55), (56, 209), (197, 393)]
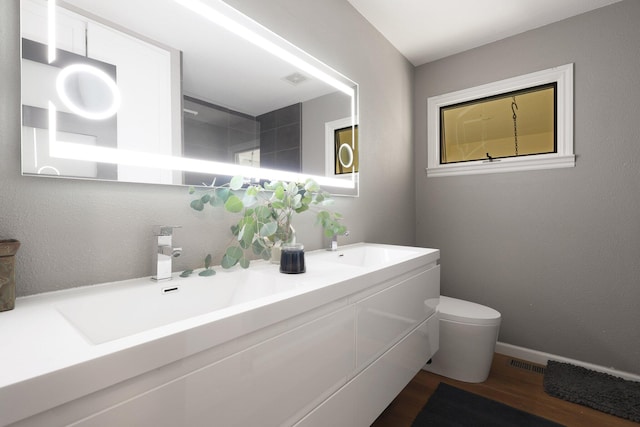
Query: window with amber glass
[(514, 124), (522, 123)]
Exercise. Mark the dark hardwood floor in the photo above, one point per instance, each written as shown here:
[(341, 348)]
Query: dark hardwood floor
[(515, 386)]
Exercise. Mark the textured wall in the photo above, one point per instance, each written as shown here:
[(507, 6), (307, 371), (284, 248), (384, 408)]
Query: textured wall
[(76, 233), (557, 252)]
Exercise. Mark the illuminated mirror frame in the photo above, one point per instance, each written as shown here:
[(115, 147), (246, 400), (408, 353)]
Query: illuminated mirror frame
[(222, 14), (564, 156)]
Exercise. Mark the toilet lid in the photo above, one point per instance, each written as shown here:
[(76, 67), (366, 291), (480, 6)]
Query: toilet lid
[(467, 312)]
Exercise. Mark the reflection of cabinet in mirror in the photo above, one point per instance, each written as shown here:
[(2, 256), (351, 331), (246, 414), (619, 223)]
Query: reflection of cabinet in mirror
[(149, 119)]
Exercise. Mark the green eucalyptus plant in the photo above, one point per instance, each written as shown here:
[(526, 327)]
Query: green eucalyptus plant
[(266, 213)]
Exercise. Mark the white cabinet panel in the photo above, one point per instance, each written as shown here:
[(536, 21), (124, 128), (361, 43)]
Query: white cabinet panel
[(70, 31), (364, 398), (271, 384), (384, 318)]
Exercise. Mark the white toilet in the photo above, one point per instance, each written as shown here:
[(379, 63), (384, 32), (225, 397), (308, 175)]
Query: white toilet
[(468, 335)]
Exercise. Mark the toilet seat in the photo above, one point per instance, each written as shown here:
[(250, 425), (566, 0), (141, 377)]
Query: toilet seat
[(462, 311)]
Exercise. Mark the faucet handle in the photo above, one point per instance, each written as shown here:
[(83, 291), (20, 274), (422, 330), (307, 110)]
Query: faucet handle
[(164, 230)]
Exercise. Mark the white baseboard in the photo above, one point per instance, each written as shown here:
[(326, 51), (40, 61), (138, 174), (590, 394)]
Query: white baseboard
[(541, 358)]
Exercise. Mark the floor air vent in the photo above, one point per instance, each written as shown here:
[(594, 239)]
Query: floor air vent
[(526, 366)]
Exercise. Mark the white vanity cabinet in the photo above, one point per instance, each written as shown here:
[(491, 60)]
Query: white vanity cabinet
[(269, 384), (397, 333), (330, 355)]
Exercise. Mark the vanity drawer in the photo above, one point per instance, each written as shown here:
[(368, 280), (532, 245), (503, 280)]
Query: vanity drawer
[(385, 318), (364, 398), (273, 383)]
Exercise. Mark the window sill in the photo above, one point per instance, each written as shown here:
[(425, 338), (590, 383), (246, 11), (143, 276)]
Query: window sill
[(503, 165)]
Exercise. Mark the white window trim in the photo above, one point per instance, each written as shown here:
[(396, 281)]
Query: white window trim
[(564, 158)]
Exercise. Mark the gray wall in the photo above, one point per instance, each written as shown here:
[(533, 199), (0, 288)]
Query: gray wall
[(557, 252), (76, 233)]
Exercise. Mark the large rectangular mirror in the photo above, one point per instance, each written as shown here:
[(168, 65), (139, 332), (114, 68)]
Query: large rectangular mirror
[(178, 92)]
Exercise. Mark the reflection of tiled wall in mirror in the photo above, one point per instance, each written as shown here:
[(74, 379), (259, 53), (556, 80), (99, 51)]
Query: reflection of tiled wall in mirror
[(280, 136), (215, 133)]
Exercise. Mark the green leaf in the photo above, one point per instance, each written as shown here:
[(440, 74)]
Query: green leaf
[(261, 250), (311, 185), (268, 229), (263, 213), (197, 205), (292, 188), (269, 186), (258, 247), (249, 200), (223, 193), (236, 183), (234, 253), (192, 189), (233, 204), (322, 217), (252, 190), (306, 198), (206, 198), (186, 273), (244, 262), (302, 208), (279, 192), (207, 261), (240, 233), (207, 272), (296, 201), (216, 201), (249, 232), (228, 262)]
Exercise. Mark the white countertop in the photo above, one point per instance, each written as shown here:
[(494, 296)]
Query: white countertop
[(47, 361)]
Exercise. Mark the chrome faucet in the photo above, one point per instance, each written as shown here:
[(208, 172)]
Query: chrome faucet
[(164, 252), (334, 241)]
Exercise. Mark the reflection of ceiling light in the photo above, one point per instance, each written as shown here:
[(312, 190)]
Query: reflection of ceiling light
[(75, 151), (79, 70), (218, 17), (194, 112), (296, 78)]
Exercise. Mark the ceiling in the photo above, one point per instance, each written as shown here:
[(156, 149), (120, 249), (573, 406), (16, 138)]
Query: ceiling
[(426, 30)]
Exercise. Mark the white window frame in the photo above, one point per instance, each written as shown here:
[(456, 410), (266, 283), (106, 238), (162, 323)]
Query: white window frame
[(563, 158)]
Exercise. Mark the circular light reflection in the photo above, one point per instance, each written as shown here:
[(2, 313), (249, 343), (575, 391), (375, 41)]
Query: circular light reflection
[(89, 83), (345, 155)]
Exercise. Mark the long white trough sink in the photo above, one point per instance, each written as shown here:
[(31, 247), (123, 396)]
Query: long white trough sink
[(118, 310)]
